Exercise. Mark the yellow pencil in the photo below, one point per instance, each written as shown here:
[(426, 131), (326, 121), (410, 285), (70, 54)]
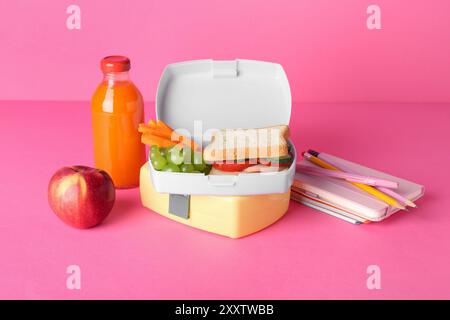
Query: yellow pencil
[(376, 193)]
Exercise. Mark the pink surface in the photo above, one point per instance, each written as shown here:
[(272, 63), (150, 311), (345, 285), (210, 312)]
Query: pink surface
[(324, 45), (139, 254)]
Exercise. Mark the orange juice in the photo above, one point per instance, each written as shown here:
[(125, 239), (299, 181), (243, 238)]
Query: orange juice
[(117, 109)]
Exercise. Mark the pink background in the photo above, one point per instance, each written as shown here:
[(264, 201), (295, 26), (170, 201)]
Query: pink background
[(324, 45), (329, 56)]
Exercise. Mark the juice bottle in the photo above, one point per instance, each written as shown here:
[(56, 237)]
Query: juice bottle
[(117, 109)]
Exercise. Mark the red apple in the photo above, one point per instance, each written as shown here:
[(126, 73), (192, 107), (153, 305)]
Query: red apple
[(81, 196)]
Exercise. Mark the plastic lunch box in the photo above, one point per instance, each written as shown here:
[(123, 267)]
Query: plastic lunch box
[(218, 95)]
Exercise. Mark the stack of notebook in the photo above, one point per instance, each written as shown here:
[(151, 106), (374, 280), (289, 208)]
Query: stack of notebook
[(342, 199)]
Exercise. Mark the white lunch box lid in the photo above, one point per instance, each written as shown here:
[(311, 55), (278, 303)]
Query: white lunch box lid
[(223, 95)]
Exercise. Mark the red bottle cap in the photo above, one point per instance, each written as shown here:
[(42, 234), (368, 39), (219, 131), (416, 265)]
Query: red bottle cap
[(115, 64)]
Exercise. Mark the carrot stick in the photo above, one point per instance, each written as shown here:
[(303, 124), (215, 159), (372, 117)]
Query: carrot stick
[(161, 124), (143, 127), (150, 140), (161, 134), (185, 140), (167, 143), (161, 129)]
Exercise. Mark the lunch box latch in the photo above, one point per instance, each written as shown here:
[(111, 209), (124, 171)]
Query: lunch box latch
[(222, 181), (224, 69), (179, 205)]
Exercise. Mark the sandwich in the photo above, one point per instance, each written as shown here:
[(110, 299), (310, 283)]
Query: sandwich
[(232, 151)]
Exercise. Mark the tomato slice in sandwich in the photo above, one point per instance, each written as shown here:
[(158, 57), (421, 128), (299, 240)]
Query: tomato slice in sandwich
[(284, 161), (232, 167)]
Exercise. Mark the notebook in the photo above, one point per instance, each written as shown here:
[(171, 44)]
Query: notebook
[(343, 200)]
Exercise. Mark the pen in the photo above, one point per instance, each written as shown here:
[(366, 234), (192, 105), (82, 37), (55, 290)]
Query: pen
[(371, 190), (397, 196), (351, 177), (391, 193)]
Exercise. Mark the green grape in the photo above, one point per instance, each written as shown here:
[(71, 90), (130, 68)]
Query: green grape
[(188, 155), (168, 151), (163, 152), (159, 162), (154, 151), (175, 156), (154, 148), (207, 168), (169, 148), (192, 156), (170, 167), (200, 167), (198, 162), (197, 158), (195, 171), (168, 155), (187, 167), (154, 155)]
